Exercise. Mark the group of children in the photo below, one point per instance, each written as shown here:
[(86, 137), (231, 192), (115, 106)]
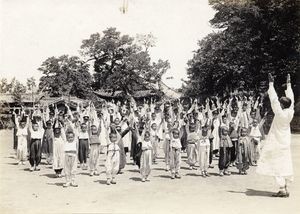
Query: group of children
[(228, 129)]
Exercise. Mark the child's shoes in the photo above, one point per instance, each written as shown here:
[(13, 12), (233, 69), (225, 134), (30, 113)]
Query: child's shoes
[(227, 173), (73, 184), (67, 184), (177, 175)]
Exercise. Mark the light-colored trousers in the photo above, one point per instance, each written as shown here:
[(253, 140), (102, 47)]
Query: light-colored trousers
[(175, 160), (146, 163), (192, 154), (22, 148), (204, 157), (255, 151), (94, 156), (167, 152), (70, 166), (154, 150), (112, 164)]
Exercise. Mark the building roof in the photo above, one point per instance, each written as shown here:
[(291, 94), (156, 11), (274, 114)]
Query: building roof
[(120, 94)]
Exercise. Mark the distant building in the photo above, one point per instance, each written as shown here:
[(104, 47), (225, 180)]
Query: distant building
[(156, 91)]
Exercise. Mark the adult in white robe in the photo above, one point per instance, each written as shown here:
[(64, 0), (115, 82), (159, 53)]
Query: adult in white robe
[(275, 159)]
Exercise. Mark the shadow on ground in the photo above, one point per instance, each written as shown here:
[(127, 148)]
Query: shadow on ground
[(253, 192), (50, 175), (135, 178), (56, 184)]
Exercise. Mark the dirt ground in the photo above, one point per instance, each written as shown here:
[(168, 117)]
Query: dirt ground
[(40, 192)]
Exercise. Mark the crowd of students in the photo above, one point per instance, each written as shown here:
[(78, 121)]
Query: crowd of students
[(227, 129)]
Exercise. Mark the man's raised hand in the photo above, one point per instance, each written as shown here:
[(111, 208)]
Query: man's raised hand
[(288, 79), (271, 78)]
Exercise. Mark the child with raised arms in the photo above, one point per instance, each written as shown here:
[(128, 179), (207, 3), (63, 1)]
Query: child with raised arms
[(243, 153), (175, 154), (113, 157), (146, 159), (204, 151), (22, 133), (225, 145), (35, 146), (70, 164)]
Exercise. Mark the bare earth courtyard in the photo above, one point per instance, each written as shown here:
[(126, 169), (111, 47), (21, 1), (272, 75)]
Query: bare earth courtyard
[(40, 192)]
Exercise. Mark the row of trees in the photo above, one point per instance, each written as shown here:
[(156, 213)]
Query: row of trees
[(16, 88), (15, 85), (254, 38), (120, 62)]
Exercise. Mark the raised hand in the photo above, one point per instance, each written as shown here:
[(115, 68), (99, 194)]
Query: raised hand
[(271, 78), (288, 79)]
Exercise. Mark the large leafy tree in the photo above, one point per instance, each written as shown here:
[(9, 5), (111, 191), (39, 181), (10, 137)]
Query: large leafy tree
[(121, 62), (255, 37), (65, 75)]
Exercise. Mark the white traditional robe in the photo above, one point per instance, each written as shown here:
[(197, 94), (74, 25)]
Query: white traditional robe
[(275, 159), (58, 153), (215, 133)]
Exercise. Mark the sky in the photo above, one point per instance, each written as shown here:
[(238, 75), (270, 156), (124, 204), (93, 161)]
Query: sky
[(33, 30)]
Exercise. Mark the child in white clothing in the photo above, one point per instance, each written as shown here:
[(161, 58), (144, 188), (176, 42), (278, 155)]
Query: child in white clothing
[(146, 159), (175, 154), (70, 159), (22, 133), (113, 158), (204, 148)]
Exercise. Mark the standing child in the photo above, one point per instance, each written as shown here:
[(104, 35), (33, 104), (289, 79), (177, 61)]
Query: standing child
[(48, 142), (175, 154), (113, 158), (233, 130), (70, 159), (58, 149), (95, 149), (215, 131), (255, 137), (83, 139), (35, 146), (192, 140), (243, 152), (146, 159), (166, 144), (225, 145), (22, 133), (204, 150), (154, 140)]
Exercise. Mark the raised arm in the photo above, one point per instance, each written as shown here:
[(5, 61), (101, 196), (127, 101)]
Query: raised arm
[(289, 92), (273, 96)]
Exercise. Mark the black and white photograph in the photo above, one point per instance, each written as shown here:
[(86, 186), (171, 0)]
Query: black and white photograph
[(150, 106)]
